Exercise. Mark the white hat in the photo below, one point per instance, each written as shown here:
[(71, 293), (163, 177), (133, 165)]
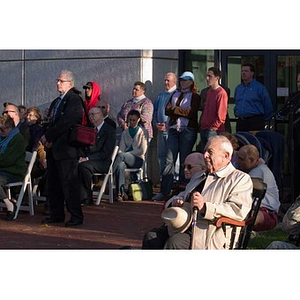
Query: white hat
[(187, 76), (178, 219)]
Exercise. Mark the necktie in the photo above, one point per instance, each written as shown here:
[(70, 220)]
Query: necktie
[(56, 106), (199, 187)]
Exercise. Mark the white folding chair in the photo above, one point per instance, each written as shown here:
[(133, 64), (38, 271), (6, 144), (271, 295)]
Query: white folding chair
[(25, 184), (108, 177), (139, 172)]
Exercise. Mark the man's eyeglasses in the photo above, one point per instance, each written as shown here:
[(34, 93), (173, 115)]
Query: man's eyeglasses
[(103, 107), (62, 81), (188, 166), (92, 114), (8, 111)]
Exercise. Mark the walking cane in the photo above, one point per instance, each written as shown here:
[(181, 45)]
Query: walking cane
[(194, 224)]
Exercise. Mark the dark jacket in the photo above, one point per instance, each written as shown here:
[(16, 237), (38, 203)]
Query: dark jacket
[(100, 153), (177, 111), (13, 159), (69, 114)]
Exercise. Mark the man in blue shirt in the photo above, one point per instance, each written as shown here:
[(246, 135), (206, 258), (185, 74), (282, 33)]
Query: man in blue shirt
[(164, 155), (253, 105)]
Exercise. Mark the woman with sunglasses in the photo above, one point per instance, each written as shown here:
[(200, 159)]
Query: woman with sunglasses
[(12, 160)]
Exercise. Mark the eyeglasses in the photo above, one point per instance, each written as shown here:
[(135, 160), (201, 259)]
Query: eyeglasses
[(188, 166), (62, 81), (92, 114), (8, 111), (103, 107)]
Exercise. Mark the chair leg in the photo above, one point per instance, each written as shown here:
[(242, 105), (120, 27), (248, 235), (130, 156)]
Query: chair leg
[(19, 200), (101, 192), (111, 189), (30, 199)]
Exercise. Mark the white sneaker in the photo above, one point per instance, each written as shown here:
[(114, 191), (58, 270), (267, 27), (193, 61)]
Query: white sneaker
[(158, 197)]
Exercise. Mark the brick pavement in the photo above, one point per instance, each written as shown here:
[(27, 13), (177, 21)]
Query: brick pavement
[(107, 226)]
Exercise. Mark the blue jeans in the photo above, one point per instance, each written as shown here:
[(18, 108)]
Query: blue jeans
[(181, 142), (123, 161), (205, 135), (165, 160)]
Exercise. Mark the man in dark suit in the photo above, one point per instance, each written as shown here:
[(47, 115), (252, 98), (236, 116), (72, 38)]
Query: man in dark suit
[(65, 112), (98, 158)]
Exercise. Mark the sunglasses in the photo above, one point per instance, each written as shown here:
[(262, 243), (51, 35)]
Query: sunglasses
[(188, 166), (8, 111)]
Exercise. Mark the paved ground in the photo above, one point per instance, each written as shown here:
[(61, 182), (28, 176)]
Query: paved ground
[(107, 226)]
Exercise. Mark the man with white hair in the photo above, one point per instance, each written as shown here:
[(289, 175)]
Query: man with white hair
[(63, 185), (226, 192)]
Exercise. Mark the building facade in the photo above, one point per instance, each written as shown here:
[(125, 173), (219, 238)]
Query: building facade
[(28, 76)]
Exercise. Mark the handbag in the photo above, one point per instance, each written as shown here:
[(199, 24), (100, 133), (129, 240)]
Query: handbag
[(141, 190), (81, 135)]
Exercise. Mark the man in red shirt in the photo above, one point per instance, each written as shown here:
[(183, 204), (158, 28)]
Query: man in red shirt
[(213, 117)]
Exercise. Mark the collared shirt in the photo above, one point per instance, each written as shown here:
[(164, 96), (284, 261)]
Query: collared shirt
[(252, 99), (100, 126), (160, 103)]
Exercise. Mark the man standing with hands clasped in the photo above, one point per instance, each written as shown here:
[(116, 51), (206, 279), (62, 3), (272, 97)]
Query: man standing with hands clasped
[(164, 155), (65, 112)]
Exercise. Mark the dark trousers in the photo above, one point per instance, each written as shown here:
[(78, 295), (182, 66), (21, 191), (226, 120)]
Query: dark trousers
[(158, 238), (254, 123), (63, 187), (85, 173)]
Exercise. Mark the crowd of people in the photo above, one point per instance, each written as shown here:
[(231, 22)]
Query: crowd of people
[(219, 168)]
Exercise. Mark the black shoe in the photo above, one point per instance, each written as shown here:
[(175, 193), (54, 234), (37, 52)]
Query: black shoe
[(73, 222), (51, 220), (11, 214), (87, 202)]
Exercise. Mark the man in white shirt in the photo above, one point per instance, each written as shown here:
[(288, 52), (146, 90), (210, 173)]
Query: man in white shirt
[(249, 162)]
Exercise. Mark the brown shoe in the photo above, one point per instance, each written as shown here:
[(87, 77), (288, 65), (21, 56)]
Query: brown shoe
[(98, 184), (119, 198)]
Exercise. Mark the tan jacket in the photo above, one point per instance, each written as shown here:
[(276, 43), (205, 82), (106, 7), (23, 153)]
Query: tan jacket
[(228, 194)]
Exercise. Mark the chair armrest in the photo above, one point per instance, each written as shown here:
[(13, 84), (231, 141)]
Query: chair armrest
[(229, 221)]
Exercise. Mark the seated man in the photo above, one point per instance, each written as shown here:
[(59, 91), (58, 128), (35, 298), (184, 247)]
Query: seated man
[(248, 160), (96, 159), (226, 192), (194, 168)]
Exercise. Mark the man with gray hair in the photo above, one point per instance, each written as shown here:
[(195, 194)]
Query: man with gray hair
[(164, 155), (63, 186), (226, 192), (105, 108)]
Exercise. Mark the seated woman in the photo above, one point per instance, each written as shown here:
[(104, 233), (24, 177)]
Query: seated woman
[(12, 160), (33, 119), (132, 150)]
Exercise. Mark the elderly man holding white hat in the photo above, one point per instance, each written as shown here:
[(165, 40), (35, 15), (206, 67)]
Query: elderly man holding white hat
[(226, 191)]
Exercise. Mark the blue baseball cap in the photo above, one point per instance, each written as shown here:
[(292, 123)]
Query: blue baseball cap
[(187, 76)]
